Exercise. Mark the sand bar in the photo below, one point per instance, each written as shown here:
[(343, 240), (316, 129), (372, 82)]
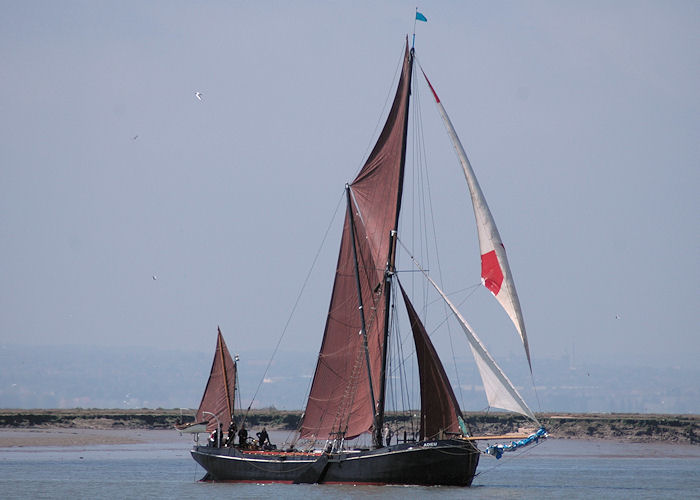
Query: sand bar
[(57, 437)]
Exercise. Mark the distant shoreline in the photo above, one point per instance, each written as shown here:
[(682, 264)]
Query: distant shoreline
[(680, 429)]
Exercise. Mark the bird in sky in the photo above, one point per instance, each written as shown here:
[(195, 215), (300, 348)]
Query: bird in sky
[(198, 95)]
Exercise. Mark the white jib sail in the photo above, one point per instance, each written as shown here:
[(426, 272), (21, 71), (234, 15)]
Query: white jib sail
[(500, 391), (495, 271)]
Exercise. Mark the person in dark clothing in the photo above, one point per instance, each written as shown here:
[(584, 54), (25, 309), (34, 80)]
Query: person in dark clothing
[(231, 434), (242, 437), (263, 438)]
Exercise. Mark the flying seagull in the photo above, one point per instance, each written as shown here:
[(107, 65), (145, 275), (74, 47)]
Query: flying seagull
[(198, 95)]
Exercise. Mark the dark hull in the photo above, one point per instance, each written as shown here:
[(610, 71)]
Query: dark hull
[(448, 462)]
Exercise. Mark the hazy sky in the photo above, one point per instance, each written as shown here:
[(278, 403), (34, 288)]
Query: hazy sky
[(581, 119)]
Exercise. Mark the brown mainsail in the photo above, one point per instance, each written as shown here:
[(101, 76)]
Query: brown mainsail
[(346, 393), (220, 392)]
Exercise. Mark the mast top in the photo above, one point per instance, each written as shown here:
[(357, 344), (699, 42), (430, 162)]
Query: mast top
[(419, 17)]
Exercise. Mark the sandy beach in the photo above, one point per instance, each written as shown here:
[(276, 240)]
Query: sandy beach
[(16, 438)]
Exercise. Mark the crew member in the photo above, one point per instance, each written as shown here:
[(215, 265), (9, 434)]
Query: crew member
[(231, 434), (242, 436), (263, 438)]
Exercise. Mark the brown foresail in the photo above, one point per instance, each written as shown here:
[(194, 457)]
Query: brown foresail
[(439, 407)]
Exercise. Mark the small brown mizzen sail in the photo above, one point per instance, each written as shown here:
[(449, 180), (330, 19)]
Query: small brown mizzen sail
[(219, 394), (439, 407), (346, 392)]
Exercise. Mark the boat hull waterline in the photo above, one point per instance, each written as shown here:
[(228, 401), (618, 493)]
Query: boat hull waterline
[(444, 462)]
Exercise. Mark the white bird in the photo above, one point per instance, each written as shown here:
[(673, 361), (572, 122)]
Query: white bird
[(154, 277), (198, 95), (618, 316)]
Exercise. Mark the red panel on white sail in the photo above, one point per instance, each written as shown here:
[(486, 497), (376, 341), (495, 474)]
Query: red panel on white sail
[(491, 272)]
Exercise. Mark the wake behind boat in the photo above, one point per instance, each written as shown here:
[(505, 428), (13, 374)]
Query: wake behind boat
[(348, 395)]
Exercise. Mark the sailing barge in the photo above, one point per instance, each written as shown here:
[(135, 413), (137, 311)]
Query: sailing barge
[(348, 394)]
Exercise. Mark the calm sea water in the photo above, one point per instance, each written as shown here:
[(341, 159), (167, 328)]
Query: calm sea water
[(554, 469)]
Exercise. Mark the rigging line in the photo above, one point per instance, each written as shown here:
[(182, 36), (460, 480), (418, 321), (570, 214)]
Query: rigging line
[(427, 213), (534, 388), (421, 188), (431, 212), (400, 366), (417, 160), (447, 317), (419, 170), (407, 392), (472, 289), (397, 364), (236, 391), (392, 345), (294, 307), (397, 368), (416, 229), (514, 456)]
